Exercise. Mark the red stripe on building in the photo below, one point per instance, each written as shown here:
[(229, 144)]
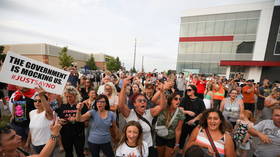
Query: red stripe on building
[(207, 38), (250, 63)]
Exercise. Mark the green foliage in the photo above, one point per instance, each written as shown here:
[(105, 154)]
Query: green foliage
[(113, 64), (133, 70), (2, 55), (64, 58), (91, 63)]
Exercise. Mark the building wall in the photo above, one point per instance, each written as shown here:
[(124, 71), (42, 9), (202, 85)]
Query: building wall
[(26, 48), (49, 54), (272, 73), (263, 31), (240, 28), (273, 34), (42, 58), (254, 73), (101, 65), (244, 16)]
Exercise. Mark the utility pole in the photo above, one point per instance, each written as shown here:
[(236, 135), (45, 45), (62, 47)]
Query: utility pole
[(134, 57), (142, 63)]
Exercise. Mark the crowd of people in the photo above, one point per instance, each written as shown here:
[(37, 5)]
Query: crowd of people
[(144, 115)]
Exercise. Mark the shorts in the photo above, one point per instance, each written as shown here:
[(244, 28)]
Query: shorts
[(246, 146), (165, 142)]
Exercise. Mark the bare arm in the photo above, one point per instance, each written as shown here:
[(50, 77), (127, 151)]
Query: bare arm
[(269, 103), (229, 147), (192, 139), (162, 103), (264, 138), (156, 97), (178, 131), (84, 117), (241, 106), (45, 103), (122, 99), (222, 105)]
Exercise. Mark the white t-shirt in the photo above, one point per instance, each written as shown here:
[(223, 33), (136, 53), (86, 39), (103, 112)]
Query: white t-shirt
[(273, 132), (147, 137), (39, 128), (124, 150), (114, 100)]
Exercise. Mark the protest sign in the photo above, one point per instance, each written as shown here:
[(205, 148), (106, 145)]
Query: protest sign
[(22, 71)]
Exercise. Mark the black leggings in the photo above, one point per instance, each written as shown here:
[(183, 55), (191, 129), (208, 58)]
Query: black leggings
[(106, 149), (77, 140)]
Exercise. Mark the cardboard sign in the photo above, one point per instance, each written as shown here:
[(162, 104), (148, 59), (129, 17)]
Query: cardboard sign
[(22, 71)]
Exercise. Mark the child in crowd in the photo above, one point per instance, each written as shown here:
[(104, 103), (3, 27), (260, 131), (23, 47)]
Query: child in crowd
[(241, 135), (132, 144)]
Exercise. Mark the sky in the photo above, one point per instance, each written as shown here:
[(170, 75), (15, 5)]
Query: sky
[(103, 26)]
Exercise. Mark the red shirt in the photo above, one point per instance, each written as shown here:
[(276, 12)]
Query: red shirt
[(248, 97), (200, 85)]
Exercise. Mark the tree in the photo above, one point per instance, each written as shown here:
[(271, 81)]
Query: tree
[(91, 63), (113, 64), (64, 58), (118, 62), (133, 70)]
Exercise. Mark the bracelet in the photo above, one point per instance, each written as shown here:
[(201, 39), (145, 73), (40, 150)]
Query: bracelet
[(177, 144), (54, 138)]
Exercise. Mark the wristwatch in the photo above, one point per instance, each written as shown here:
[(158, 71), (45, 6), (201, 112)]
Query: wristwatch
[(54, 138)]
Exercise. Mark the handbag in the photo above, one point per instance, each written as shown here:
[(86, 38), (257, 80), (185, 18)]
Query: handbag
[(212, 143), (162, 130)]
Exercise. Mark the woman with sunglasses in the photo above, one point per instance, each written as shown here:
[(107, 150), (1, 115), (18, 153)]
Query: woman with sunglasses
[(192, 106), (140, 113), (101, 120), (172, 118), (40, 120)]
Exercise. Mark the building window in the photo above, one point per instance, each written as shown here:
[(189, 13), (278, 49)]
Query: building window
[(245, 47)]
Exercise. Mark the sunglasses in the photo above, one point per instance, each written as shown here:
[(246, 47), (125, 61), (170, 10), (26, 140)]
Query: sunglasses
[(141, 100), (189, 90), (176, 98), (37, 101)]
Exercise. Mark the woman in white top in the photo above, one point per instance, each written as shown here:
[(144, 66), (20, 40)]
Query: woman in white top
[(111, 92), (132, 144), (140, 103), (40, 120), (232, 107)]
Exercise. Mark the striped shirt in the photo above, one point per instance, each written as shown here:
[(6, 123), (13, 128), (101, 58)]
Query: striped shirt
[(203, 139)]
